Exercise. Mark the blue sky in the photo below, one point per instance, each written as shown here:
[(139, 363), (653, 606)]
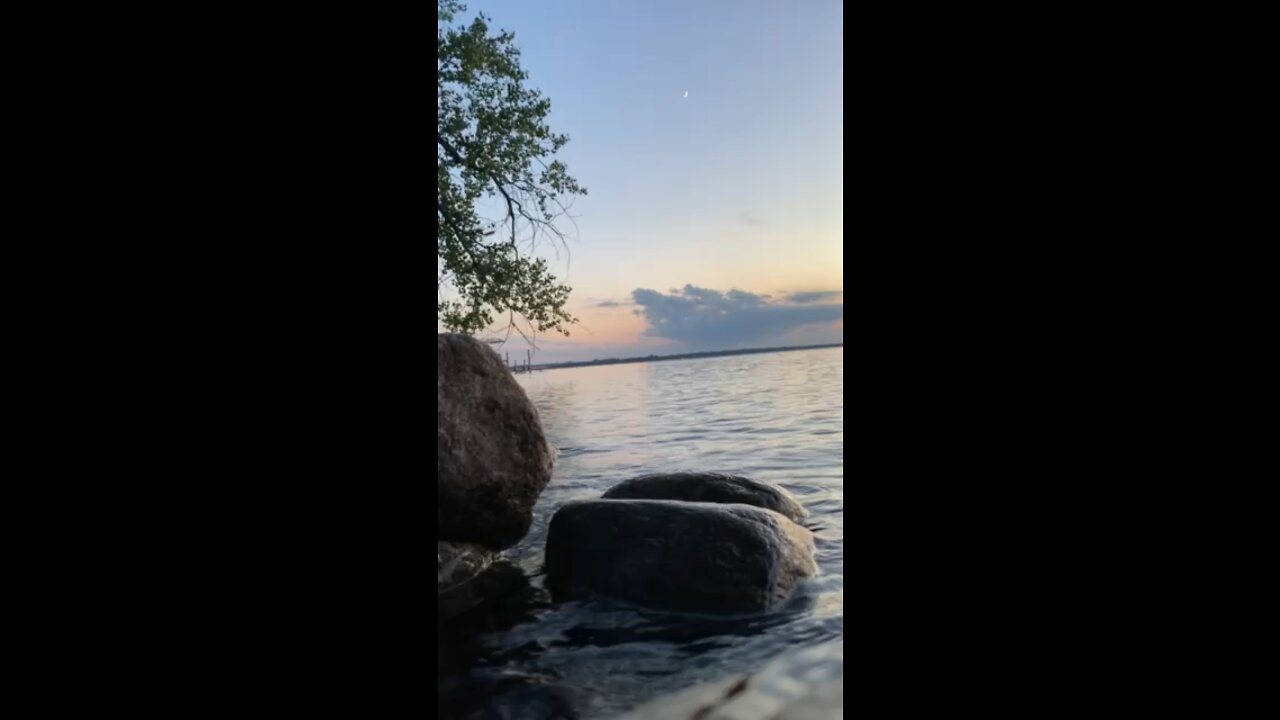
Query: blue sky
[(737, 187)]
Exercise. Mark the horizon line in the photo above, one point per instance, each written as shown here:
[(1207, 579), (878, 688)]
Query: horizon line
[(678, 356)]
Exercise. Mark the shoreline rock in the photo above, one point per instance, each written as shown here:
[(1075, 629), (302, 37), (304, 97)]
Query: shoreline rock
[(675, 555), (492, 458), (709, 488), (457, 567)]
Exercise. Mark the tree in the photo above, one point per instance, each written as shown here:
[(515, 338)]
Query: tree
[(493, 147)]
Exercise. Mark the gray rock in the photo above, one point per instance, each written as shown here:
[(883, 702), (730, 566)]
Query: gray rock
[(709, 487), (673, 555), (457, 567), (457, 563), (805, 685), (492, 460), (477, 591)]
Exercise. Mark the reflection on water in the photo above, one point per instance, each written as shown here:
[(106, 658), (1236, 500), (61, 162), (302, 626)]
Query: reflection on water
[(776, 417)]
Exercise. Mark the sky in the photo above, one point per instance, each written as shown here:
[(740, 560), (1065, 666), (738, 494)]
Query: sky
[(710, 136)]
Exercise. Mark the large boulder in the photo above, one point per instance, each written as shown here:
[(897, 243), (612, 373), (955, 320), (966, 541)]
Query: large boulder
[(709, 487), (492, 460), (805, 685), (674, 555)]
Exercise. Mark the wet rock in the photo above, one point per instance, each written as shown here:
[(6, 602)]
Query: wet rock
[(674, 555), (805, 685), (484, 593), (494, 600), (457, 566), (456, 563), (492, 459), (712, 488)]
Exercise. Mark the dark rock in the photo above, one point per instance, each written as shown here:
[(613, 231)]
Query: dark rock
[(493, 600), (457, 566), (477, 591), (673, 555), (492, 460), (709, 487), (456, 563)]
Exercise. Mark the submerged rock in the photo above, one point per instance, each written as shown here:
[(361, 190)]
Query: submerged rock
[(805, 685), (674, 555), (472, 602), (457, 563), (457, 567), (478, 591), (492, 459), (709, 487)]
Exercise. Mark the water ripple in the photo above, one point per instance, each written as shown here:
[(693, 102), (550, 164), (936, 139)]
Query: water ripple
[(777, 417)]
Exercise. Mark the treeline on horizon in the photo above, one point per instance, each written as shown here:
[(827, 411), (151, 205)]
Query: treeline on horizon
[(683, 356)]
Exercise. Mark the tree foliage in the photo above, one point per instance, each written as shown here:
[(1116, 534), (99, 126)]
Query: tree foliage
[(494, 150)]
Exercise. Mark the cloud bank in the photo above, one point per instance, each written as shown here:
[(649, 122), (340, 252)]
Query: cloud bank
[(814, 296), (711, 319)]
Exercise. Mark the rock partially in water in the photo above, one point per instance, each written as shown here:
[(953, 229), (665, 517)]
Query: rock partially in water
[(674, 555), (492, 459), (457, 566), (457, 563), (806, 685), (471, 603), (709, 487), (477, 591)]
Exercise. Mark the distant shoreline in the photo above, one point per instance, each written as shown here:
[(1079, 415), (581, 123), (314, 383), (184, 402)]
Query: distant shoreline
[(684, 356)]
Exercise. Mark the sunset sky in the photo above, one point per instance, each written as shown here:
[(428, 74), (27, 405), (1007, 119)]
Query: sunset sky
[(731, 196)]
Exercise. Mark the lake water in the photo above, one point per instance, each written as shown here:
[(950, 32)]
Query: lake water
[(777, 417)]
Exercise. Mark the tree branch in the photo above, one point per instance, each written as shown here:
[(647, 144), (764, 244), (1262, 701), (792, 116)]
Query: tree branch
[(501, 186)]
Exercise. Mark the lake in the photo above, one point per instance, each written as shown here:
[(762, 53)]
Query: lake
[(777, 417)]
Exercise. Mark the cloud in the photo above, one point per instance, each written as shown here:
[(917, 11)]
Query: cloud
[(814, 296), (746, 218), (609, 303), (721, 320)]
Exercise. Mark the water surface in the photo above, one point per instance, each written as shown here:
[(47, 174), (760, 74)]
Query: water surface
[(776, 417)]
